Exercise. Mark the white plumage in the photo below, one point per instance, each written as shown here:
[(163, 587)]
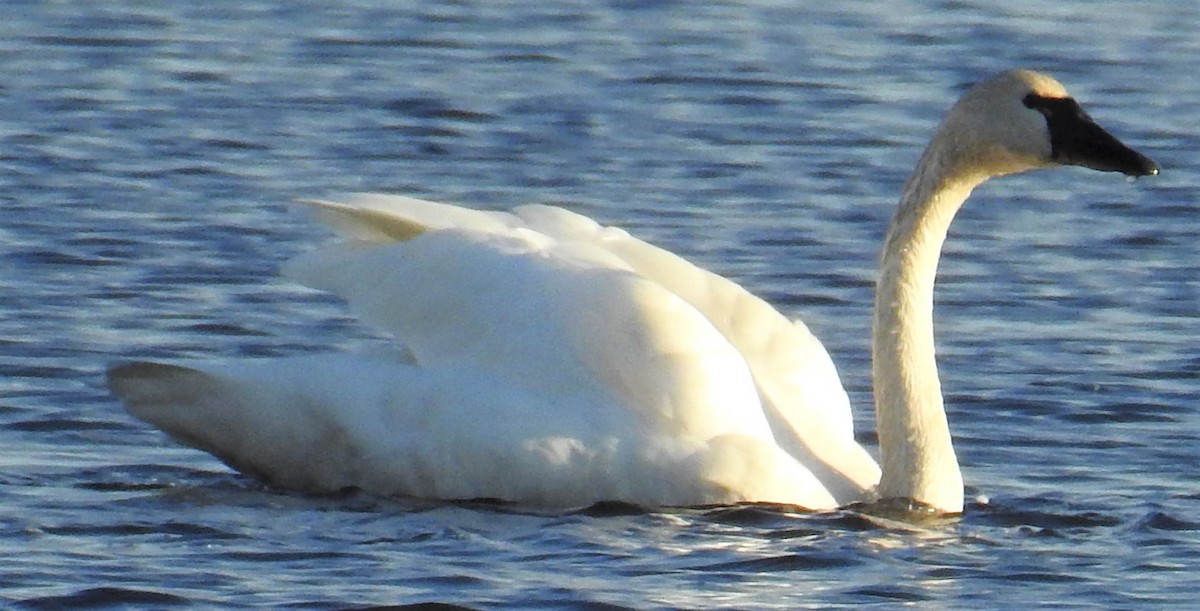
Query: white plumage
[(553, 362), (547, 360)]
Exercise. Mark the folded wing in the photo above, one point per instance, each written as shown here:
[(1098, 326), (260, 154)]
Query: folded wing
[(528, 279)]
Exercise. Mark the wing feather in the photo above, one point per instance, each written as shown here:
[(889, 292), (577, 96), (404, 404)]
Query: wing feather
[(542, 276)]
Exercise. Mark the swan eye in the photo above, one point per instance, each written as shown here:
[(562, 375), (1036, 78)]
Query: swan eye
[(1041, 104)]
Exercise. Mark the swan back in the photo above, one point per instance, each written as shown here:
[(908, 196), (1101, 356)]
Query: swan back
[(403, 283), (792, 368)]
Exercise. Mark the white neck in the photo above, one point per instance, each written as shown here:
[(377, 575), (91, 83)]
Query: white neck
[(917, 455)]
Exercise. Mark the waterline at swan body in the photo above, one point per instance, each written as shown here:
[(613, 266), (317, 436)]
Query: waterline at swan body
[(547, 360)]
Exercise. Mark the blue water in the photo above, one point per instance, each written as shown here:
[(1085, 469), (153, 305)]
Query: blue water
[(148, 152)]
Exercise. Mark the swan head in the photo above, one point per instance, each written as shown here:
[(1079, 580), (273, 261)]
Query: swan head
[(1022, 120), (1015, 121)]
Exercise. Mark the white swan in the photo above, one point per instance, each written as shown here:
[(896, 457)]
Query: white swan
[(550, 361)]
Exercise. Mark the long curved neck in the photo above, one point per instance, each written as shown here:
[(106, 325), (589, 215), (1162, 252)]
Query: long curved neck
[(917, 455)]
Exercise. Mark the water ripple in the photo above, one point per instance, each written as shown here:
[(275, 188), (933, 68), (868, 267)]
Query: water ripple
[(149, 151), (106, 598)]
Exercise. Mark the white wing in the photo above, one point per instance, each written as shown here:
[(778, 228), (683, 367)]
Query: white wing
[(549, 361), (804, 402), (562, 321)]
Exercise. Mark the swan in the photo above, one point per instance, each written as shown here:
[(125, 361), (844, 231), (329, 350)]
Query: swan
[(543, 359)]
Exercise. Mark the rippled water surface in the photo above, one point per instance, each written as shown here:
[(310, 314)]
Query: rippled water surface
[(149, 152)]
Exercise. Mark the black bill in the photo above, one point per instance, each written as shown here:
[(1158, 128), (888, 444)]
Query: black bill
[(1076, 139)]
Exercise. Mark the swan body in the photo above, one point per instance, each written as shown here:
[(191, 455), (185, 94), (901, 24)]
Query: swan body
[(547, 360)]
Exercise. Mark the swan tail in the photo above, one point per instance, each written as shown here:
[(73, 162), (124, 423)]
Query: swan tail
[(192, 406), (261, 421)]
